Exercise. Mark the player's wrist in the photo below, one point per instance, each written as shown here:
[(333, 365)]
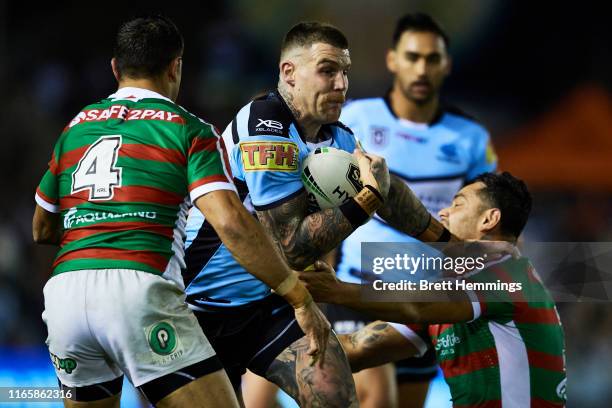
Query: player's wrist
[(360, 208), (294, 292)]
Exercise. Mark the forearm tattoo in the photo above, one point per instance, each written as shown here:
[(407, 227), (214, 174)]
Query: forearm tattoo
[(403, 210), (304, 237)]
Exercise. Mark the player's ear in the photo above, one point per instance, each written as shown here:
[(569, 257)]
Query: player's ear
[(392, 60), (116, 72), (490, 219), (175, 69), (287, 72)]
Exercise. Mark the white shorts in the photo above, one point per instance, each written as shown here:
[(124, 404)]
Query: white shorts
[(103, 323)]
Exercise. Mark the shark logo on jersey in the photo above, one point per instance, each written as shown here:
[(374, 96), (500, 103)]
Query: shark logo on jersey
[(449, 153)]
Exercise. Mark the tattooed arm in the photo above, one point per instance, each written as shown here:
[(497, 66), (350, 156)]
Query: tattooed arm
[(304, 237), (376, 344), (404, 212)]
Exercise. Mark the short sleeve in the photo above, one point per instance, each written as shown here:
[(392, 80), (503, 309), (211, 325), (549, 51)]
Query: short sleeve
[(47, 193), (208, 166), (270, 167), (415, 334)]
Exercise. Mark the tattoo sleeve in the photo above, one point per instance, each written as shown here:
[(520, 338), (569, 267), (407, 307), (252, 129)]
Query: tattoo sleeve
[(304, 237), (405, 212)]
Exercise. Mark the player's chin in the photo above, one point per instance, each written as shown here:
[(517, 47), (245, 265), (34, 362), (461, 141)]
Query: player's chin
[(332, 113)]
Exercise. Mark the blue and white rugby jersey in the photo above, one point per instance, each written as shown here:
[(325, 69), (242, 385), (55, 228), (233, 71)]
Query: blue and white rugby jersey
[(266, 150), (434, 159)]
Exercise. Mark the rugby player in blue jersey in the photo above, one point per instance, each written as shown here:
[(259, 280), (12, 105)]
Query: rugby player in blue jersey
[(248, 326), (428, 144)]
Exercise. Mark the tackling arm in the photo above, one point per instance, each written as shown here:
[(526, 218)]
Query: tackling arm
[(376, 344)]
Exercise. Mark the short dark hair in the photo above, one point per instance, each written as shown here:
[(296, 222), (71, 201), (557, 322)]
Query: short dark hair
[(306, 33), (511, 196), (419, 22), (145, 46)]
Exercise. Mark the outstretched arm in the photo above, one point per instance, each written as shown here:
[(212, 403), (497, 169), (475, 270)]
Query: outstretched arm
[(376, 344)]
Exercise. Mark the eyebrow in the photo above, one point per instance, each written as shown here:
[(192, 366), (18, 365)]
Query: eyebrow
[(459, 195), (333, 62), (422, 54)]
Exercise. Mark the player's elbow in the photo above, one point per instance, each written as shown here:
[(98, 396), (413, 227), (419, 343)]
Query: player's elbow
[(411, 312), (42, 234)]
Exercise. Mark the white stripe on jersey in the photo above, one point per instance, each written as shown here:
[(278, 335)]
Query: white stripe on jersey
[(513, 365)]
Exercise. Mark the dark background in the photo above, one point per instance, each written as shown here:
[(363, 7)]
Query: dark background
[(537, 74)]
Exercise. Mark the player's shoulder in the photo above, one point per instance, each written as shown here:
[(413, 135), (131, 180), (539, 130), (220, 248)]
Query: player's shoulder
[(266, 115), (462, 121)]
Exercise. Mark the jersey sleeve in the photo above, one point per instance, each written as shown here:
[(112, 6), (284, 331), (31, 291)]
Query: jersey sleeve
[(208, 166), (497, 305), (484, 159), (270, 167), (416, 334), (47, 192)]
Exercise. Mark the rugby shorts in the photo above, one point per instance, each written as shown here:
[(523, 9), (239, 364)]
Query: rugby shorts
[(103, 323), (249, 336)]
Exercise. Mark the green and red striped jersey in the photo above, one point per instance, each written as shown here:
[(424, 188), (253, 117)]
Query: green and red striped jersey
[(123, 174), (512, 354)]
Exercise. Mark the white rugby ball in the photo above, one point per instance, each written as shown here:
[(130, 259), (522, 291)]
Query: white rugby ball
[(331, 177)]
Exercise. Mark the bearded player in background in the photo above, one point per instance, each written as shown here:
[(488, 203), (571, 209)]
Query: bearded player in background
[(434, 148)]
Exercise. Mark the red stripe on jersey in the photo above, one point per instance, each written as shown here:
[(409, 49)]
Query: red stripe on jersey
[(208, 179), (198, 144), (71, 158), (476, 360), (44, 197), (228, 168), (83, 232), (485, 404), (538, 315), (540, 403), (150, 152), (53, 166), (152, 259), (544, 360), (127, 194)]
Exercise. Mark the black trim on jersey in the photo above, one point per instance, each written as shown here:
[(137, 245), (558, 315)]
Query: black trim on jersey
[(201, 250), (432, 178), (342, 126), (207, 242), (443, 108), (267, 113), (235, 136), (279, 202)]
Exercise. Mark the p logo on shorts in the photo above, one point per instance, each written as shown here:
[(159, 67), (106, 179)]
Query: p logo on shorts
[(162, 338)]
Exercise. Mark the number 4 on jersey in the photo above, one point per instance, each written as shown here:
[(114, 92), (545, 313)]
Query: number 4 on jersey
[(96, 170)]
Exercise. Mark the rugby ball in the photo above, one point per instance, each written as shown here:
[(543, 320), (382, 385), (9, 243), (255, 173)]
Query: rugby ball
[(331, 177)]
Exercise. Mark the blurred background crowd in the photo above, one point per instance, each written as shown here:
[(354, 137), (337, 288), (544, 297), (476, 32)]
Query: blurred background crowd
[(538, 75)]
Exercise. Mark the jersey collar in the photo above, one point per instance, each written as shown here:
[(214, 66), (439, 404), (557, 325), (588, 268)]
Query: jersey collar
[(437, 117), (135, 94)]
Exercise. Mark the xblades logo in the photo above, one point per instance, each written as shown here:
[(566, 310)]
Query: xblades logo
[(269, 123)]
